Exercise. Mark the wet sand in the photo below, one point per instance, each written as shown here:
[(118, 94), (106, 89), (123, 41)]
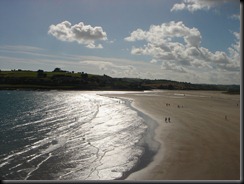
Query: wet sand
[(202, 141)]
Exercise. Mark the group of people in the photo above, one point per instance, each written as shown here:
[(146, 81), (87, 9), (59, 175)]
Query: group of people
[(168, 104), (167, 119)]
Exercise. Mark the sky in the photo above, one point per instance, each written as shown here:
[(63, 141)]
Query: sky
[(196, 41)]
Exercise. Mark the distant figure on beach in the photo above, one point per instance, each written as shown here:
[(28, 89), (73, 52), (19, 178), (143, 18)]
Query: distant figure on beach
[(178, 106), (169, 119), (166, 120), (225, 117)]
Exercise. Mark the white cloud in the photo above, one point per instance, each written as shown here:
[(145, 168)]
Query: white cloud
[(29, 51), (20, 48), (159, 41), (195, 5), (105, 65), (161, 34), (172, 67), (112, 67), (136, 35), (235, 17), (179, 6), (179, 49), (93, 46), (81, 33), (234, 52), (153, 61)]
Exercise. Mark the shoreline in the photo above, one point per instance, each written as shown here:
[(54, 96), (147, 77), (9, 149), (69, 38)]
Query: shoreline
[(154, 137), (199, 143), (148, 142)]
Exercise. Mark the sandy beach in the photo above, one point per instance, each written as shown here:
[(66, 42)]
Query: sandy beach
[(202, 140)]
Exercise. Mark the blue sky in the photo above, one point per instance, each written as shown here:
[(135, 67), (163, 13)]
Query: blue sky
[(195, 41)]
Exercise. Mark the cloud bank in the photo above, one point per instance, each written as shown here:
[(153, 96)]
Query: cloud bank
[(81, 33), (179, 49)]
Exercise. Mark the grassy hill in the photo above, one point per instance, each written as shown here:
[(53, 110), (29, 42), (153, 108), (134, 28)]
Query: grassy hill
[(59, 79)]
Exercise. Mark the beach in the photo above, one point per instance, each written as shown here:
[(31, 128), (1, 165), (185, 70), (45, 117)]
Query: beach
[(202, 139)]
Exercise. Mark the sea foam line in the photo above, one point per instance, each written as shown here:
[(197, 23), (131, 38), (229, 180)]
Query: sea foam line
[(37, 167)]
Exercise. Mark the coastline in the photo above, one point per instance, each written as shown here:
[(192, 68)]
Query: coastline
[(148, 141), (199, 143)]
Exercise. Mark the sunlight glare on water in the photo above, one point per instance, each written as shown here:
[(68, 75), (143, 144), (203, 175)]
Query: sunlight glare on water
[(69, 136)]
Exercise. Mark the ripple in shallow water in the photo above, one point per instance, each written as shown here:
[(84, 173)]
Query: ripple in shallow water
[(68, 136)]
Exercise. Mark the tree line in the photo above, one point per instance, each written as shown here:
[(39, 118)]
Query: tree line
[(61, 79)]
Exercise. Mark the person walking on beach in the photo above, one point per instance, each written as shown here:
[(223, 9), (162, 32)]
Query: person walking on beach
[(166, 120), (169, 119), (225, 117)]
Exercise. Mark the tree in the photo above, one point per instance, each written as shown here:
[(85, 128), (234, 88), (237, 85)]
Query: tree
[(57, 70), (40, 73), (84, 75), (170, 87)]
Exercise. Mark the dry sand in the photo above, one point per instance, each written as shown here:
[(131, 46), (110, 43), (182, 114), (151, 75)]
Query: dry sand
[(199, 143)]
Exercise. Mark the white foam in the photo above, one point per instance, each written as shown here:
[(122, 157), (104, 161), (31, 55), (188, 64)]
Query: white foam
[(37, 167)]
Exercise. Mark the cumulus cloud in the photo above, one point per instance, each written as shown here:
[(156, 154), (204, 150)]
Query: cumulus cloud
[(160, 44), (234, 52), (179, 6), (173, 67), (179, 49), (112, 67), (195, 5), (161, 34), (81, 33)]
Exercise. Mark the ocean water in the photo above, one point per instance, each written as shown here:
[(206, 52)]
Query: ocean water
[(70, 135)]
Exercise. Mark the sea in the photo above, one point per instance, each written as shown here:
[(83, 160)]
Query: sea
[(72, 135)]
